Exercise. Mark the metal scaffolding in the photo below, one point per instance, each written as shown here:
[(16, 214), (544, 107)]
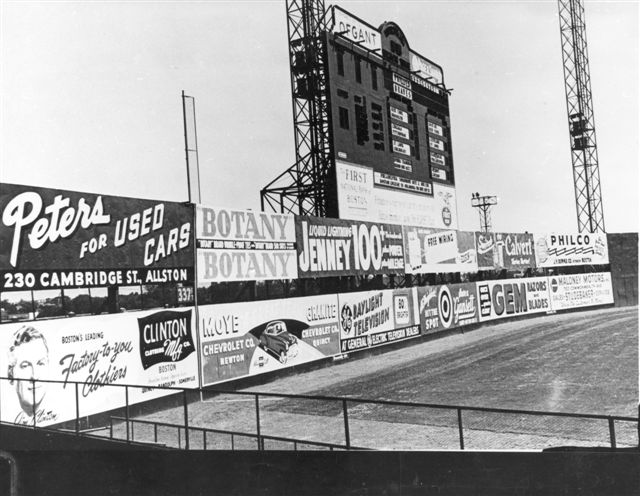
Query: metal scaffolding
[(305, 188), (584, 153)]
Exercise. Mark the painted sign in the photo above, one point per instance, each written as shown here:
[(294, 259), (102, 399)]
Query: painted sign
[(375, 318), (241, 245), (580, 290), (514, 251), (52, 238), (240, 339), (486, 250), (334, 247), (426, 69), (449, 305), (360, 199), (428, 251), (553, 250), (513, 297), (355, 30), (150, 348)]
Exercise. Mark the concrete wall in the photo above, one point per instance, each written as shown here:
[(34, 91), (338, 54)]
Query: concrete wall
[(623, 254)]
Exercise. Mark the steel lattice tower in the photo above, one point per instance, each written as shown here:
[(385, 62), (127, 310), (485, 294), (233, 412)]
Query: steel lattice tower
[(584, 153), (304, 187)]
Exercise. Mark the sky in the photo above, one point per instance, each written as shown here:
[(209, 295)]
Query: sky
[(91, 100)]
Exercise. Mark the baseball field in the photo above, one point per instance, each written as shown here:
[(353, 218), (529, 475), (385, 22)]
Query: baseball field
[(581, 362)]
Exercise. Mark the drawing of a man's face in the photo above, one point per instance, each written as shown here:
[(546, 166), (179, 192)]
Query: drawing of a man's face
[(29, 359)]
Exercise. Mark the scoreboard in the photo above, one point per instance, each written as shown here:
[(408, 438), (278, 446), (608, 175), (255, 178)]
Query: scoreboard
[(390, 127)]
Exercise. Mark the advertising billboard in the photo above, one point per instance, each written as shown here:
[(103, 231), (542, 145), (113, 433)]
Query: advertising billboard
[(514, 251), (375, 318), (553, 250), (448, 305), (426, 69), (513, 297), (52, 238), (241, 245), (428, 251), (486, 250), (580, 290), (149, 348), (355, 30), (334, 247), (249, 338), (359, 198)]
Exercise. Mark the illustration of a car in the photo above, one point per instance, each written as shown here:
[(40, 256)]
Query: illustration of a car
[(276, 339)]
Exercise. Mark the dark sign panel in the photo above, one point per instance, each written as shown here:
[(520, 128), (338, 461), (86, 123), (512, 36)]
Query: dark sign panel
[(486, 249), (333, 247), (515, 251), (447, 305), (56, 239), (165, 337)]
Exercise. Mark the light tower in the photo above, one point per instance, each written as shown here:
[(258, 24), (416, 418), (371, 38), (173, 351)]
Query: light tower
[(577, 82), (484, 204)]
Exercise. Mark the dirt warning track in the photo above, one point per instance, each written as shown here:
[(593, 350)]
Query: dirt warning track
[(583, 362)]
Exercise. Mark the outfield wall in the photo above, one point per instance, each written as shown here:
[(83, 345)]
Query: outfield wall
[(55, 243), (228, 343)]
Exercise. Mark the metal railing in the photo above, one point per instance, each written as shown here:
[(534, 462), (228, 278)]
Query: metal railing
[(341, 422)]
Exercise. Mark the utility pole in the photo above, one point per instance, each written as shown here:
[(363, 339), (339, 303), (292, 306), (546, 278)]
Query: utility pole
[(191, 144), (484, 204)]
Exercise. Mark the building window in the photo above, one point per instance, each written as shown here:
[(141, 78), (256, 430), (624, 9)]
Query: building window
[(340, 58), (396, 48), (343, 115), (358, 70), (374, 77)]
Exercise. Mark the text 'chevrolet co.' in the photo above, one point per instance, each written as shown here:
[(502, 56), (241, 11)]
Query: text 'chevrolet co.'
[(150, 349), (374, 318), (240, 339), (241, 245), (63, 239)]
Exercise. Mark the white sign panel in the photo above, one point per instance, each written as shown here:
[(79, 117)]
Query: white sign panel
[(399, 147), (374, 318), (399, 131), (554, 249), (438, 173), (425, 69), (242, 245), (513, 297), (359, 199), (248, 338), (149, 348), (436, 143), (355, 30), (399, 115), (435, 128), (580, 290)]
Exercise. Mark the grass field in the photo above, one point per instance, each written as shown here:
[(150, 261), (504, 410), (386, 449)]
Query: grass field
[(583, 362)]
